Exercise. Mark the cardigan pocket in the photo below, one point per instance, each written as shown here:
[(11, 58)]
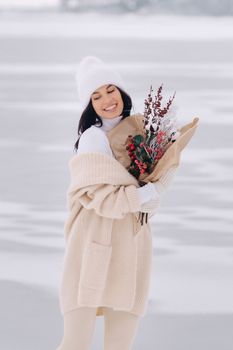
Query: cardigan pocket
[(95, 265)]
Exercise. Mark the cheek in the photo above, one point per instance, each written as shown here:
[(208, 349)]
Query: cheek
[(119, 99), (96, 105), (116, 96)]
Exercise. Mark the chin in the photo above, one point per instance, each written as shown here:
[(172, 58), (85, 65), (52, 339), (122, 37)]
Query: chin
[(112, 115)]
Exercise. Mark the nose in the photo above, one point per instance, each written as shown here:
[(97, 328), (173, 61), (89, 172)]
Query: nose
[(107, 101)]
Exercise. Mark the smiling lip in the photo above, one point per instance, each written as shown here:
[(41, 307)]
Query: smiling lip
[(110, 110)]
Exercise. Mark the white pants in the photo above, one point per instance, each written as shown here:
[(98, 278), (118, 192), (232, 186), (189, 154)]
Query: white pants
[(120, 329)]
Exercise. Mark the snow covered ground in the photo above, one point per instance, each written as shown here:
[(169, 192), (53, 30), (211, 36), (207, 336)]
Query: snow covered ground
[(190, 304)]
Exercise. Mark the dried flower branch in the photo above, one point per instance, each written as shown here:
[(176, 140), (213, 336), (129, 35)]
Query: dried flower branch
[(160, 130)]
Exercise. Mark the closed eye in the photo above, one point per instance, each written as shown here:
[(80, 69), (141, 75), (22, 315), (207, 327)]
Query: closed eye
[(109, 92)]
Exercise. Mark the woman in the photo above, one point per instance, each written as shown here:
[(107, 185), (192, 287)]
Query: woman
[(107, 261)]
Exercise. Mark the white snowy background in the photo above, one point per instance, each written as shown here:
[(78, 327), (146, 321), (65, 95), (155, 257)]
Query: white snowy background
[(191, 295)]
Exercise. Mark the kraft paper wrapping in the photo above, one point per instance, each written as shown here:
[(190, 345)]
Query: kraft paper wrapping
[(133, 125)]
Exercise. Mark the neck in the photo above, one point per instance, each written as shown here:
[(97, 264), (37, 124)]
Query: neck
[(108, 124)]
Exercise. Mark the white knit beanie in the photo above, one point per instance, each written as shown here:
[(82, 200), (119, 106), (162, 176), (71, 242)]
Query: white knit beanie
[(91, 74)]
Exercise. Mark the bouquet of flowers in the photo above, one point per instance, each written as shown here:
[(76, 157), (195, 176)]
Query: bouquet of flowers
[(149, 145), (159, 132)]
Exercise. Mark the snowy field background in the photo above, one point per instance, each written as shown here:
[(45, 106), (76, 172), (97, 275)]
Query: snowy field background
[(191, 295)]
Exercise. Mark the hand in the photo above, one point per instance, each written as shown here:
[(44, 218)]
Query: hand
[(150, 206), (147, 192), (148, 209)]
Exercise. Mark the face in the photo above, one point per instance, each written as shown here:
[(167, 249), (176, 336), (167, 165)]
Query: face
[(107, 101)]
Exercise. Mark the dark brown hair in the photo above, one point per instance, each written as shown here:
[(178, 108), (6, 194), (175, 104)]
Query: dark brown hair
[(89, 117)]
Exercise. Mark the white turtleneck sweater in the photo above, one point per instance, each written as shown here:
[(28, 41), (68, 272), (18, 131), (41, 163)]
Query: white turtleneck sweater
[(94, 138)]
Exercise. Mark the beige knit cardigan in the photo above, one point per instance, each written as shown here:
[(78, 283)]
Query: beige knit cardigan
[(108, 255), (107, 260)]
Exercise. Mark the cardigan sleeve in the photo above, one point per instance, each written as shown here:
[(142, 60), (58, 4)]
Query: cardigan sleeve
[(111, 201)]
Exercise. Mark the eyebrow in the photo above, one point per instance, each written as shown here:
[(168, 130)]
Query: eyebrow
[(97, 92)]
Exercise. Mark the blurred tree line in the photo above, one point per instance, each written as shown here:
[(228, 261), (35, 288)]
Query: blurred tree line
[(208, 7)]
